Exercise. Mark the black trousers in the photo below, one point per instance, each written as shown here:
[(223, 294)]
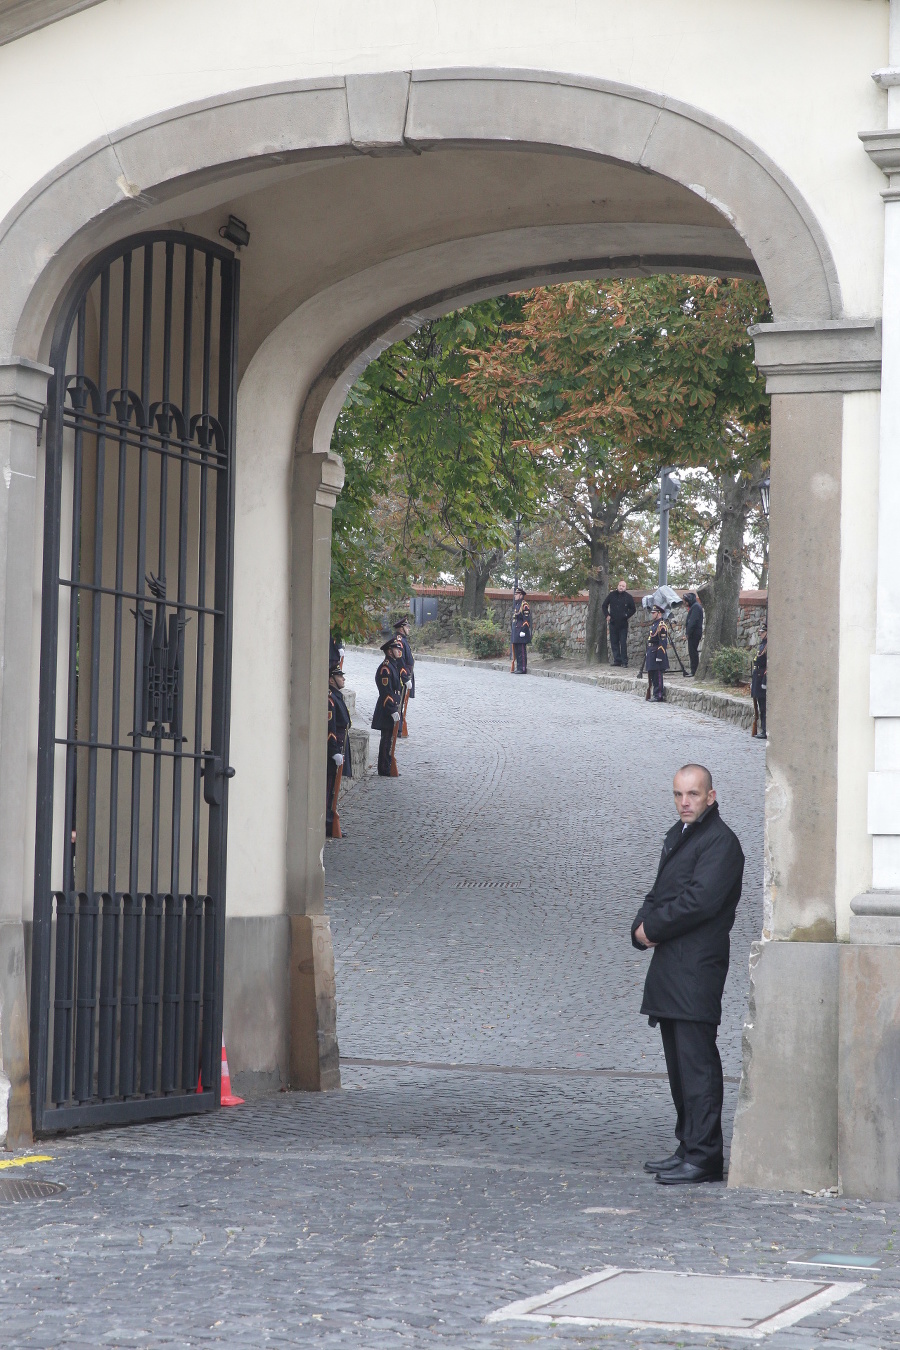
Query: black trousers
[(695, 1080), (384, 751), (521, 651), (761, 704), (330, 776), (656, 684), (618, 641), (694, 653)]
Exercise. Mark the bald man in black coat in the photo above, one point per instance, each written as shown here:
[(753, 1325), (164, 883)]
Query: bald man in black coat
[(686, 920)]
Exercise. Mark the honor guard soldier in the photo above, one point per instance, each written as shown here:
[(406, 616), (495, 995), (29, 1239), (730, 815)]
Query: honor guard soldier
[(401, 630), (386, 717), (758, 685), (335, 651), (521, 632), (656, 657), (340, 764)]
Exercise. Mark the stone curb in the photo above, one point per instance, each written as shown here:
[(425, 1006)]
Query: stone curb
[(726, 707)]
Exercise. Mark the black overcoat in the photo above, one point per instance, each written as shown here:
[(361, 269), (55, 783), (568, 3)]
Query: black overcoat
[(618, 607), (693, 624), (690, 912)]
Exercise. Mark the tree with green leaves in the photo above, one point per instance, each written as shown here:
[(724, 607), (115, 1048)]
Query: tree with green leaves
[(433, 480)]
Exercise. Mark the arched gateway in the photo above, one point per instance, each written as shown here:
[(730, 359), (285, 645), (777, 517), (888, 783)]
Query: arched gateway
[(374, 199)]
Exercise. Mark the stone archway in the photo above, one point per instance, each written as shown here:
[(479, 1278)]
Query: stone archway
[(741, 214)]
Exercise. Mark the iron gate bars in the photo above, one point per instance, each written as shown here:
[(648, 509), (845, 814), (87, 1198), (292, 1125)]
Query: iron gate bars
[(129, 902)]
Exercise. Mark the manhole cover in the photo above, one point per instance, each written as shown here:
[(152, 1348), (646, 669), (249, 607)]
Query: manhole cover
[(16, 1189), (741, 1305), (488, 885)]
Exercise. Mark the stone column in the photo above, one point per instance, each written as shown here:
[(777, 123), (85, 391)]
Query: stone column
[(869, 1039), (23, 391), (314, 1058), (786, 1127)]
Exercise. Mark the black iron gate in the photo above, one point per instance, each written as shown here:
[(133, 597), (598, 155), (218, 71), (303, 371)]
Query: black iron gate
[(132, 792)]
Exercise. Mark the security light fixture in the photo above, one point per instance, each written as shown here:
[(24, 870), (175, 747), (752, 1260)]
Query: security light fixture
[(235, 231), (764, 496)]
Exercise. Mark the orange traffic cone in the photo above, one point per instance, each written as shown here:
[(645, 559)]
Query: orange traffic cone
[(228, 1098)]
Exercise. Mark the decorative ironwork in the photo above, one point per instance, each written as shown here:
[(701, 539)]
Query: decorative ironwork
[(163, 665), (128, 946)]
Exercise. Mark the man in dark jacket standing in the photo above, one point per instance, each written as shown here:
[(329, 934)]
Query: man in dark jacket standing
[(686, 919), (619, 608), (693, 628)]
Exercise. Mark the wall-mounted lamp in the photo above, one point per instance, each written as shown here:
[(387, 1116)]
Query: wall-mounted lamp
[(235, 231), (764, 496)]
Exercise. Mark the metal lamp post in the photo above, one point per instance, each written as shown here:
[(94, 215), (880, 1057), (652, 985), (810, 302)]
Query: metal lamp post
[(764, 496), (669, 487)]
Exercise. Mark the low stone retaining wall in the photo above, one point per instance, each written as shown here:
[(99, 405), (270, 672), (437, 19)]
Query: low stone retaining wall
[(685, 694), (568, 615)]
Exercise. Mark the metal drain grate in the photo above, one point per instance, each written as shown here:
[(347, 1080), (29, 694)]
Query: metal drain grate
[(489, 885), (15, 1189)]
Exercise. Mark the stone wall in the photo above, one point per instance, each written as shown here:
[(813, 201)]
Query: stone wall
[(568, 614)]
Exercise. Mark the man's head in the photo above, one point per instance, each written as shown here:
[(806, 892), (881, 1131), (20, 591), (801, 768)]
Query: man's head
[(656, 612), (693, 791), (622, 586), (402, 625), (336, 678), (520, 594)]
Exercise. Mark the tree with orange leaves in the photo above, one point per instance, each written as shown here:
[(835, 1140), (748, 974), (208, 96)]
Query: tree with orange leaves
[(622, 378)]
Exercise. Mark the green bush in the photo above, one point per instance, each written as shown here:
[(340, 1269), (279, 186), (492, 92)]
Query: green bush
[(551, 644), (425, 635), (730, 665), (482, 638)]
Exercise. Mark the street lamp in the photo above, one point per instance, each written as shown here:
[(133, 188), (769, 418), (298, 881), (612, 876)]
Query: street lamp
[(669, 488), (764, 496), (518, 541)]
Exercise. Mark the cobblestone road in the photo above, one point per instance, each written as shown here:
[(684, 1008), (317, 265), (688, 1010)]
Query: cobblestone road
[(401, 1211), (481, 904)]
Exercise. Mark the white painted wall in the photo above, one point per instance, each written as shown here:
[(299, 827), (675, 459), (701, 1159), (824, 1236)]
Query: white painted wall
[(793, 78)]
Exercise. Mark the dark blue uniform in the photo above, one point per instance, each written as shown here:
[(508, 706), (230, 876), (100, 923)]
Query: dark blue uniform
[(408, 664), (656, 659), (758, 681), (390, 697), (338, 744), (521, 635)]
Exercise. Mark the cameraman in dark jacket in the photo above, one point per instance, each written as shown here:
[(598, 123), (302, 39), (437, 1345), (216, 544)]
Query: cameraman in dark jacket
[(686, 918), (619, 607), (693, 628)]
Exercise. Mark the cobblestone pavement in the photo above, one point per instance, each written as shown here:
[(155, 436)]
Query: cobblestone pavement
[(481, 904), (401, 1211)]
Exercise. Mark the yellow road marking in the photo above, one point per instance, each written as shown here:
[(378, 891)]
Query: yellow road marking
[(23, 1162)]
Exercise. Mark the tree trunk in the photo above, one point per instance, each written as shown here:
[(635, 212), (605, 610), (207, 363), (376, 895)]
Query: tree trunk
[(723, 594), (764, 570), (477, 575), (595, 636)]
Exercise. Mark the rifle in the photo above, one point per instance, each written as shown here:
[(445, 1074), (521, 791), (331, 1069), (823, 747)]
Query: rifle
[(753, 729), (404, 730), (335, 818), (512, 659)]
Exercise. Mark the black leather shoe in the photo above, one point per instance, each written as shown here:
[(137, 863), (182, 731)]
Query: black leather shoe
[(687, 1174), (664, 1164)]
